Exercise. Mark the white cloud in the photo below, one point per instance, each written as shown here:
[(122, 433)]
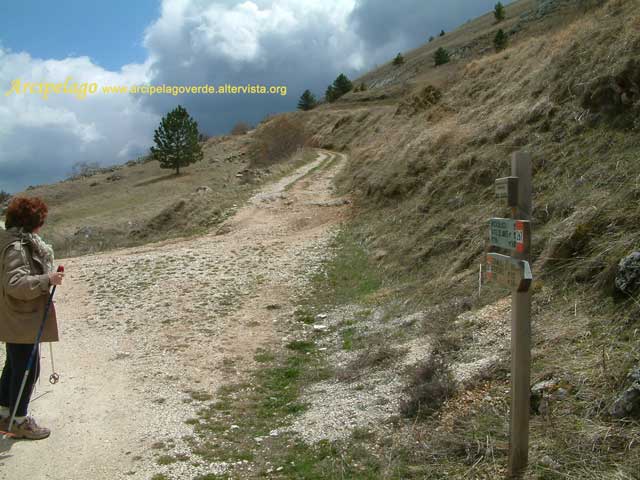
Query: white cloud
[(41, 139), (298, 43)]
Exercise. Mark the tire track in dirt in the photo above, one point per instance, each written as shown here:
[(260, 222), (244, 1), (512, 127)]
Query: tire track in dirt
[(148, 331)]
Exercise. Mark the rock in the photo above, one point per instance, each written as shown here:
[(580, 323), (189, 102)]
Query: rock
[(379, 254), (331, 203), (628, 403), (86, 232), (321, 316), (547, 461), (203, 189), (320, 328), (628, 275), (113, 178), (545, 392)]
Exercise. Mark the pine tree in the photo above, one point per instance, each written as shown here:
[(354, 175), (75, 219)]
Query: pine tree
[(307, 101), (441, 56), (330, 94), (399, 60), (341, 85), (176, 140), (431, 38), (500, 40), (499, 12), (442, 33)]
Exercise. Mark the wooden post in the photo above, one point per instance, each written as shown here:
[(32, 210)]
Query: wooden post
[(520, 333)]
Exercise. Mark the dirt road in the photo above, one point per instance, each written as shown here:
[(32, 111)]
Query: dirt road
[(148, 331)]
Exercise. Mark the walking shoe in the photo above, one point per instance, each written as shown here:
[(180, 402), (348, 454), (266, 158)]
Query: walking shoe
[(29, 430)]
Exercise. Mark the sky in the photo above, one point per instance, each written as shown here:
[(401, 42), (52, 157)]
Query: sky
[(299, 44)]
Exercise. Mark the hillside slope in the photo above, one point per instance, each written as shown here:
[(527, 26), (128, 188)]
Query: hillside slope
[(139, 202), (425, 144)]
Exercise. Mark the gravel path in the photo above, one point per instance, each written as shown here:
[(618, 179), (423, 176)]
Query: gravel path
[(149, 331)]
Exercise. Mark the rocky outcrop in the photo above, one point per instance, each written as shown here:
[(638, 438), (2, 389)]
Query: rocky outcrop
[(628, 275), (628, 403)]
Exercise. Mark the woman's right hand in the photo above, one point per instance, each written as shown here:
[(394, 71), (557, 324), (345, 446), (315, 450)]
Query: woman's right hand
[(55, 278)]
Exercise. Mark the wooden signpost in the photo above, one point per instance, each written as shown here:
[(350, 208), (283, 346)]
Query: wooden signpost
[(510, 234), (510, 272), (507, 187), (514, 272)]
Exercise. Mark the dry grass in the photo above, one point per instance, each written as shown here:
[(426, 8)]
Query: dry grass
[(423, 185), (277, 139)]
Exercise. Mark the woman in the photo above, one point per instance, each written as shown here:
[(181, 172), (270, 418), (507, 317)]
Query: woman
[(26, 273)]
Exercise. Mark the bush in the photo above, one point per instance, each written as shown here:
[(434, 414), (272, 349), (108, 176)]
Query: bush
[(499, 12), (431, 385), (399, 60), (240, 128), (277, 140), (500, 40), (339, 87), (307, 101), (84, 169), (4, 196), (441, 56)]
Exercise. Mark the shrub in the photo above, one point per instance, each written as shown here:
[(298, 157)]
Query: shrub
[(399, 60), (4, 196), (441, 56), (442, 33), (431, 385), (307, 101), (500, 40), (499, 12), (339, 87), (240, 128), (84, 169), (276, 140)]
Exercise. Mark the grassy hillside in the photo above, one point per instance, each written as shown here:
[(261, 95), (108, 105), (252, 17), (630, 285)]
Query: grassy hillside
[(425, 145), (138, 203), (429, 165)]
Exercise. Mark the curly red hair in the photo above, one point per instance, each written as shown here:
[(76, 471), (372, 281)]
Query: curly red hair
[(26, 213)]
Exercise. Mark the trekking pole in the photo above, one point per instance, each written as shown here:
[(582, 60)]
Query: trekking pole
[(32, 357)]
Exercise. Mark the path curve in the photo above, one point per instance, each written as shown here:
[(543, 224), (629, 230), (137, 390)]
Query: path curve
[(149, 331)]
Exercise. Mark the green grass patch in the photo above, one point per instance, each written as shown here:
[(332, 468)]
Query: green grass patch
[(166, 460), (349, 277), (302, 346)]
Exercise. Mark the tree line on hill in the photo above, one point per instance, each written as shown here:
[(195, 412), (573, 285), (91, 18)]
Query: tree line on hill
[(342, 84)]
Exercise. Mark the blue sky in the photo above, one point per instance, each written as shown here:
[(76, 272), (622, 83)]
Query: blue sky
[(300, 44), (110, 32)]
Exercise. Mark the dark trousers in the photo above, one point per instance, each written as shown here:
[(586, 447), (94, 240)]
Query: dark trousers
[(14, 367)]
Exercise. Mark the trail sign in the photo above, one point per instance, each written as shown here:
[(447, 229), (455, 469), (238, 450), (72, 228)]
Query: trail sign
[(510, 234), (507, 187), (510, 272)]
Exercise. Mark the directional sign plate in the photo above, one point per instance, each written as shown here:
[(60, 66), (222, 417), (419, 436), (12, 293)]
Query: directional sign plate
[(510, 234), (509, 272), (507, 187)]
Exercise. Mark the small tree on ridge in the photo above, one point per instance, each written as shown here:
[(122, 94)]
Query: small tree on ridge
[(441, 56), (499, 12), (177, 140)]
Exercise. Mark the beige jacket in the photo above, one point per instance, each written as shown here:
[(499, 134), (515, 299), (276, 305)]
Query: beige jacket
[(24, 292)]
